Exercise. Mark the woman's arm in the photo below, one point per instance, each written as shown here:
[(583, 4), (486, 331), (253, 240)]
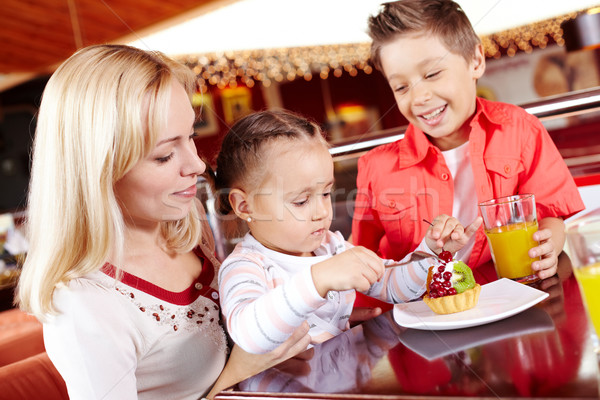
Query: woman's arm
[(90, 343), (242, 365)]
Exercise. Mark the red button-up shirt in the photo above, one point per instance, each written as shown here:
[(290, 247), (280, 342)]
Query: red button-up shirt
[(401, 183)]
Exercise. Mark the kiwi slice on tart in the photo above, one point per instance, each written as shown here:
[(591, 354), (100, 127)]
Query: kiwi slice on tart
[(462, 277)]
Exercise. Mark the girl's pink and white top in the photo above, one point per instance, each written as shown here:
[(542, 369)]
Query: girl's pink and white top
[(266, 295)]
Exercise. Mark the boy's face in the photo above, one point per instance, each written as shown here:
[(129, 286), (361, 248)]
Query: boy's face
[(434, 88)]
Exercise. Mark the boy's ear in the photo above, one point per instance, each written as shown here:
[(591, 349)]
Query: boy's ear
[(478, 62), (239, 203)]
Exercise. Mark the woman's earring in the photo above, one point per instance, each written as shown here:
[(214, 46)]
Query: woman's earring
[(249, 219)]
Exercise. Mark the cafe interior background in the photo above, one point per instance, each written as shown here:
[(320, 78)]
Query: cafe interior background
[(310, 57)]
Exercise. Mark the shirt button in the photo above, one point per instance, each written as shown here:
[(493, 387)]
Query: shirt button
[(215, 295), (392, 204), (507, 169), (198, 286), (445, 176)]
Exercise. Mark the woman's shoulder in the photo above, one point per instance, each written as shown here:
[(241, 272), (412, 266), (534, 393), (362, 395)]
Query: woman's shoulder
[(92, 293)]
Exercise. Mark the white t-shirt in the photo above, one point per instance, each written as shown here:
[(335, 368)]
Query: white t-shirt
[(130, 339), (464, 204)]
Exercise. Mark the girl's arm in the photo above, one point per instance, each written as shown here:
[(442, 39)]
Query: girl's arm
[(261, 315), (403, 283)]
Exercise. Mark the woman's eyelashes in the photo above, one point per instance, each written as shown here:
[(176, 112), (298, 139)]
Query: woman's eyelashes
[(162, 160)]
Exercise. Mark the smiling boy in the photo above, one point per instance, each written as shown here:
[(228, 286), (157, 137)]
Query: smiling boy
[(459, 149)]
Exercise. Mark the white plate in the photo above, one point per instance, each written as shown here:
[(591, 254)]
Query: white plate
[(498, 300)]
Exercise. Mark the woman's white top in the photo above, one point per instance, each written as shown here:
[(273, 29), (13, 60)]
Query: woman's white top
[(130, 339)]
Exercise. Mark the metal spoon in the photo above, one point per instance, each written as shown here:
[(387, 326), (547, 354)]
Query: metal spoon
[(415, 256)]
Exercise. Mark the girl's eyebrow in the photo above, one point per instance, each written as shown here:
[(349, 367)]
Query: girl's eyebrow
[(307, 189)]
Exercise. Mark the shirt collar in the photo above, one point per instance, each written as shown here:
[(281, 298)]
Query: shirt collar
[(415, 145)]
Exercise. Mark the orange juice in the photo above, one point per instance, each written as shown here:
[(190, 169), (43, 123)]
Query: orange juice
[(589, 282), (510, 245)]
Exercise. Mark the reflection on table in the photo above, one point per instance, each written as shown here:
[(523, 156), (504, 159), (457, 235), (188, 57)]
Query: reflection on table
[(544, 351)]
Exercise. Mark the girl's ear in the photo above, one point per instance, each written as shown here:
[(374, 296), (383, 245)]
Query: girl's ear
[(478, 62), (240, 203)]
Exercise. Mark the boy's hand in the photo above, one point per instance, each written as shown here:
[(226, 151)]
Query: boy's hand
[(357, 268), (548, 265), (447, 233)]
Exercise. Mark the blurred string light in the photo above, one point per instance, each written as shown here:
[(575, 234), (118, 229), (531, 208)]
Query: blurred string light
[(279, 65), (249, 67)]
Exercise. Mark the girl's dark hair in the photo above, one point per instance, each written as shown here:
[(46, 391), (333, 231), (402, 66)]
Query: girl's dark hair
[(239, 160), (443, 18)]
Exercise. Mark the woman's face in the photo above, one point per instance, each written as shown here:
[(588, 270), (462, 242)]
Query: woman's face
[(162, 186)]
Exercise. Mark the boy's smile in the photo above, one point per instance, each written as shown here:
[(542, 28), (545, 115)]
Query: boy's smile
[(434, 88)]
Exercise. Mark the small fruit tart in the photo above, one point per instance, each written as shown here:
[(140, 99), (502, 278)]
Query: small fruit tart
[(451, 287)]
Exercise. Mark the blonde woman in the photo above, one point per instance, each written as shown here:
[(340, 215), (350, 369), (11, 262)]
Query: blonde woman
[(121, 268)]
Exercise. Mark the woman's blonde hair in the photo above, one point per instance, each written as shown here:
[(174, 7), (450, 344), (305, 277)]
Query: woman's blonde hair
[(90, 133)]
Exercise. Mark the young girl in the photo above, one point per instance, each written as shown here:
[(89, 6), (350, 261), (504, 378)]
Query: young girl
[(275, 172)]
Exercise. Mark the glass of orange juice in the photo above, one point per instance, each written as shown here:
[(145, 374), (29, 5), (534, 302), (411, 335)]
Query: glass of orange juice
[(583, 241), (510, 223)]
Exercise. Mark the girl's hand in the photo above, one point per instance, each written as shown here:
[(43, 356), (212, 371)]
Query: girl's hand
[(447, 233), (356, 268), (548, 265)]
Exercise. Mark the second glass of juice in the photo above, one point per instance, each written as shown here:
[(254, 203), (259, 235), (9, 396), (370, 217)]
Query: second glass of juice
[(510, 223), (583, 239)]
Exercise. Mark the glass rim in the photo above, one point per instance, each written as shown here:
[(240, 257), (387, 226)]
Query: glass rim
[(582, 222), (506, 199)]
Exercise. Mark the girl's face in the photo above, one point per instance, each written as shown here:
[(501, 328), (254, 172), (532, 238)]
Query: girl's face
[(162, 186), (291, 210), (434, 88)]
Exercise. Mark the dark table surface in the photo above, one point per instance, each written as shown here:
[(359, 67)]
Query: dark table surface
[(543, 352)]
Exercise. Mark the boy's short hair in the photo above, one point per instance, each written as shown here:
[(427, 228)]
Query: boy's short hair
[(442, 18)]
